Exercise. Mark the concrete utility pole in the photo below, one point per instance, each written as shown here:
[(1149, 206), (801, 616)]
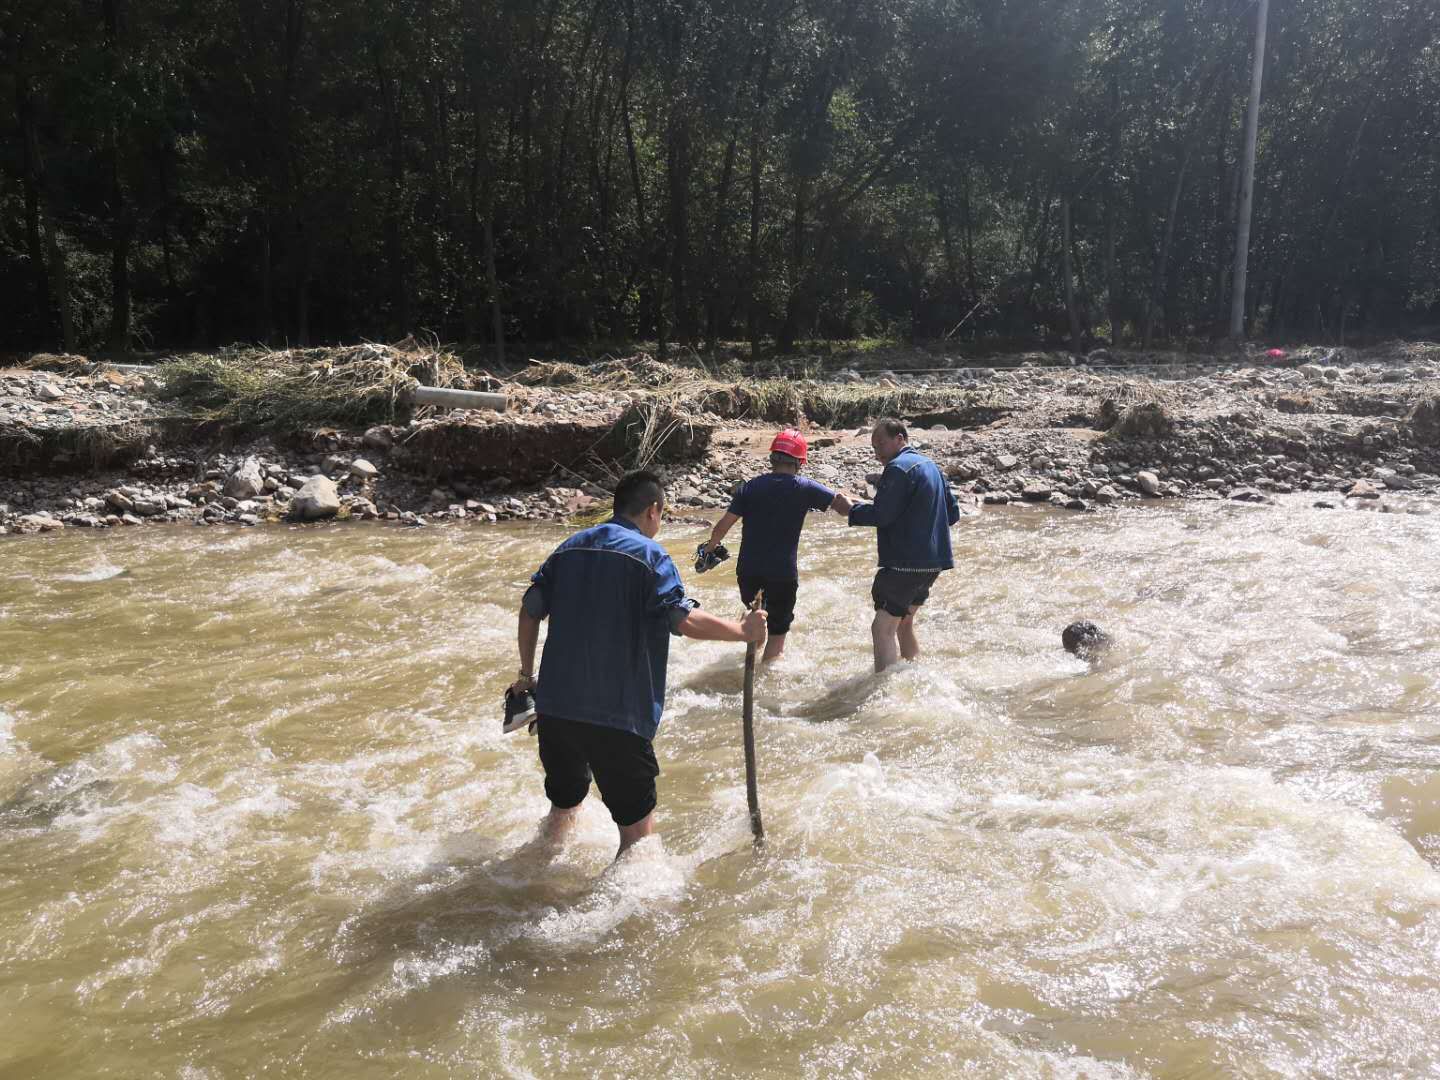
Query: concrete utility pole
[(1247, 177)]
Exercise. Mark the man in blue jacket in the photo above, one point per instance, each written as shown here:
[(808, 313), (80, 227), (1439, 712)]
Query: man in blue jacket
[(912, 514), (613, 598)]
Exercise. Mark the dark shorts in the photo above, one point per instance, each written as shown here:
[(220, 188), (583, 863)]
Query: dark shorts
[(895, 592), (779, 600), (622, 763)]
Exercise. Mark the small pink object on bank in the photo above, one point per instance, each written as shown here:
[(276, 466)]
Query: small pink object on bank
[(1275, 354)]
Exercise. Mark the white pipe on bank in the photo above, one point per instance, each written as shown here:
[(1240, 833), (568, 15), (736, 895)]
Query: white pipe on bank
[(458, 399)]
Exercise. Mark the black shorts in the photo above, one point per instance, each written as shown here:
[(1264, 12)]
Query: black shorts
[(895, 592), (779, 600), (622, 763)]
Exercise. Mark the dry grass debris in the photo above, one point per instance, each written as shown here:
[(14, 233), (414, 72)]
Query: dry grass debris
[(358, 384)]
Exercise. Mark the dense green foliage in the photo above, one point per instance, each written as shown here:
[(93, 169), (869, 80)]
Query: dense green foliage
[(192, 172)]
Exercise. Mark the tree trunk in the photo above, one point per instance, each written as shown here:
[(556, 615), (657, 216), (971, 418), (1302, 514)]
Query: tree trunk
[(947, 238), (60, 283), (719, 250), (967, 225), (752, 313), (1226, 178), (1162, 263), (492, 280), (790, 328), (121, 225), (678, 169), (1069, 272), (303, 261), (1247, 177), (31, 182), (390, 97), (1112, 199), (267, 284)]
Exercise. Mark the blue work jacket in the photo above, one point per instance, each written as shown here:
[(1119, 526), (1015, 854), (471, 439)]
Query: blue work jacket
[(613, 598), (912, 514)]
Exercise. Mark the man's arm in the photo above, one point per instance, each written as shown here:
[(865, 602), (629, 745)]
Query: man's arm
[(702, 626), (952, 508), (533, 609), (722, 527), (889, 501), (529, 637)]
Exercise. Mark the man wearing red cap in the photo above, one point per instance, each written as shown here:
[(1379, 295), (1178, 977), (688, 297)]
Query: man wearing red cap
[(774, 507)]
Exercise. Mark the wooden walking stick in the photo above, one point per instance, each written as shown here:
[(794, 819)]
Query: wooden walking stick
[(752, 791)]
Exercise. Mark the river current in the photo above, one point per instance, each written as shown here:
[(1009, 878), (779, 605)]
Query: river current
[(257, 816)]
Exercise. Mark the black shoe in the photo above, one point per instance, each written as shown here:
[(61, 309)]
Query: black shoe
[(709, 558), (519, 711)]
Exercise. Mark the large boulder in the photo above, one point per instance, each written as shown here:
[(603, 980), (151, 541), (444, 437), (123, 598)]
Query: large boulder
[(246, 481), (1423, 423), (316, 500)]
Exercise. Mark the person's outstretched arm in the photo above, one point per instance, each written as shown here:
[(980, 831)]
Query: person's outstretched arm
[(722, 528), (889, 501), (702, 626)]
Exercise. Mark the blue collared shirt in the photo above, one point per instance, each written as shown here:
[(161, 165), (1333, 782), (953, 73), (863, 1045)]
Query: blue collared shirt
[(912, 514), (613, 597)]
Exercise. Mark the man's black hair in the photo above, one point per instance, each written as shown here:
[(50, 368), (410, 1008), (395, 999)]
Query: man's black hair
[(892, 428), (636, 491), (777, 459)]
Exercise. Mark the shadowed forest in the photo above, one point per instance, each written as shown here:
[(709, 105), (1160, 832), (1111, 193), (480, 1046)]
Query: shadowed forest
[(187, 173)]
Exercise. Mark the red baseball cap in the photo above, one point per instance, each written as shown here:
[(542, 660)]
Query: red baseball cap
[(790, 442)]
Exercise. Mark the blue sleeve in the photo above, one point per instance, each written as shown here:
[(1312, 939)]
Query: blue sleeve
[(820, 496), (668, 599), (890, 500), (537, 596), (952, 508)]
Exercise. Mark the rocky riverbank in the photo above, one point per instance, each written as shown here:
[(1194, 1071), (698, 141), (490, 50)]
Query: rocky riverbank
[(93, 447)]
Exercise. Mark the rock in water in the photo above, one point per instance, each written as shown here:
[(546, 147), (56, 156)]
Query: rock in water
[(1084, 639), (246, 481), (316, 499), (1249, 495), (1149, 483)]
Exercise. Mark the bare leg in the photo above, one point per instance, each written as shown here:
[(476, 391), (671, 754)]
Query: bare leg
[(882, 635), (559, 823), (774, 648), (629, 834), (909, 643)]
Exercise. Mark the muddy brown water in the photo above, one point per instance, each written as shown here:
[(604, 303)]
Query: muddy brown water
[(256, 816)]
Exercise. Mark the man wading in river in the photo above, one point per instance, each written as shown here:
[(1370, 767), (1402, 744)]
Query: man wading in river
[(613, 597), (912, 514), (774, 507)]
